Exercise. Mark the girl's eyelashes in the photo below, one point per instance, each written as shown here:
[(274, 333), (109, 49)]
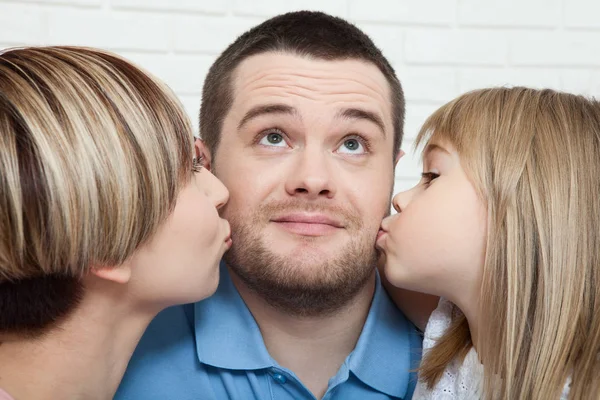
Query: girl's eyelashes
[(429, 177)]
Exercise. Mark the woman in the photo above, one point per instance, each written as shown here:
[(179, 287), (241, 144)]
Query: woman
[(106, 218), (505, 227)]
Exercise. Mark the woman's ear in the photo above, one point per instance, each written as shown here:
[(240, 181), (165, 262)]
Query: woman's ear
[(120, 274), (200, 150)]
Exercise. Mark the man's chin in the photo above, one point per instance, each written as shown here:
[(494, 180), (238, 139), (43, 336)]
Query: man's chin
[(301, 274), (292, 249), (290, 245)]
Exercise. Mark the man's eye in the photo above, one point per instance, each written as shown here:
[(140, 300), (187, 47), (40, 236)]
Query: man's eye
[(273, 139), (352, 146)]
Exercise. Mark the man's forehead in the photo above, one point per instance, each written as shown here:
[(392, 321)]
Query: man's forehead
[(281, 64), (275, 73)]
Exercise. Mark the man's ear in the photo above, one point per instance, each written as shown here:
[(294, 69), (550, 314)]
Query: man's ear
[(201, 150), (119, 274), (401, 154)]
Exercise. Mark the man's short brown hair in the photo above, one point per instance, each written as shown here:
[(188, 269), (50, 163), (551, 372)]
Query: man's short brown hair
[(305, 33)]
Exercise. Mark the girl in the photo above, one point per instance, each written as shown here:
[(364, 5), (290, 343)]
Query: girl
[(106, 218), (505, 227)]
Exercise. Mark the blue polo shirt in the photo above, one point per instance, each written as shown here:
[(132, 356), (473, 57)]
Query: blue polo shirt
[(213, 350)]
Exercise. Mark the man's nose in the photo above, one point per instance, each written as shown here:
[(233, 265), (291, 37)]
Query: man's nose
[(312, 175)]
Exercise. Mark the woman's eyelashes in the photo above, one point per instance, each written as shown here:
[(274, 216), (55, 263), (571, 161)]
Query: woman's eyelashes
[(429, 177), (197, 163)]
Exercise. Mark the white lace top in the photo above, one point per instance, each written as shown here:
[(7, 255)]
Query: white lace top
[(462, 381)]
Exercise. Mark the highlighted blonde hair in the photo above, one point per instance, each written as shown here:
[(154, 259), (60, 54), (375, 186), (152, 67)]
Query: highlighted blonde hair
[(93, 153), (534, 157)]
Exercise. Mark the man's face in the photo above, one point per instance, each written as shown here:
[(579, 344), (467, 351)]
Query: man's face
[(306, 153)]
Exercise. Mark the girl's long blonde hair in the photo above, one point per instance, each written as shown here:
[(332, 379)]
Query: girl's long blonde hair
[(534, 157)]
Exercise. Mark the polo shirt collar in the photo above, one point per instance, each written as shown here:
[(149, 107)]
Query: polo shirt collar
[(382, 357), (233, 342)]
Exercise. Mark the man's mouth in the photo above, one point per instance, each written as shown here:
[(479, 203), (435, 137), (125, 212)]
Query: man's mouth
[(308, 224)]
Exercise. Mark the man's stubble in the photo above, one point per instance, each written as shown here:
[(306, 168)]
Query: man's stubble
[(303, 283)]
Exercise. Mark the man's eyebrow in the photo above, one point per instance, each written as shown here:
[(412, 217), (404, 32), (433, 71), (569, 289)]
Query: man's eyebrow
[(267, 109), (357, 113)]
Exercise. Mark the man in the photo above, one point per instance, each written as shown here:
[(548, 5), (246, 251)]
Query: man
[(302, 119)]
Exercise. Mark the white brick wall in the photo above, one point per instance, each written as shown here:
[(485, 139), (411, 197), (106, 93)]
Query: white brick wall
[(440, 48)]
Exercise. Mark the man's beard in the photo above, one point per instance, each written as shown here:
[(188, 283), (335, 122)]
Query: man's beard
[(311, 286)]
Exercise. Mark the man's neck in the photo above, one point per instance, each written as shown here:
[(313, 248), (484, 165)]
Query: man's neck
[(313, 348), (84, 358)]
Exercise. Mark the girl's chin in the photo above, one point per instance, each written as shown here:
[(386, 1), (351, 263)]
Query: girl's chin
[(394, 273)]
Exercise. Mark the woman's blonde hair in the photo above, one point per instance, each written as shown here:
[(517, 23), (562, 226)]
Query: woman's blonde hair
[(534, 157), (93, 153)]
